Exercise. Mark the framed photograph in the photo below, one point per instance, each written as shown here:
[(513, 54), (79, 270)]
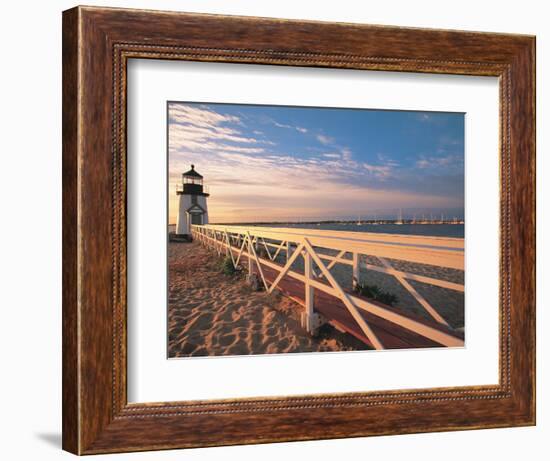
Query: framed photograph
[(279, 230)]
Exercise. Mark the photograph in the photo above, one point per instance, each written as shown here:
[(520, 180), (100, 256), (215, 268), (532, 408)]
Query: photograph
[(313, 229)]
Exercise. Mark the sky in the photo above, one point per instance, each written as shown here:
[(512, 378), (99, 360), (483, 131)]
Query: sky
[(280, 163)]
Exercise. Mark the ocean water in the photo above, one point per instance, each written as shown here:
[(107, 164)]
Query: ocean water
[(431, 230)]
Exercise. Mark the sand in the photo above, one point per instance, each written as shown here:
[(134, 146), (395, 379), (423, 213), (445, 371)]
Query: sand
[(449, 303), (212, 314)]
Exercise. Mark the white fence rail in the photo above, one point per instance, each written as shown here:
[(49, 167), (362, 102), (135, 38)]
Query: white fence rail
[(239, 241)]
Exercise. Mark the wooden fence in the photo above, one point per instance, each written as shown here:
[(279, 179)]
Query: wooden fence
[(243, 242)]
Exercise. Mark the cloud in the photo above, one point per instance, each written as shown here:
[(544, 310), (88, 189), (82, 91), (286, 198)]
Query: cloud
[(423, 163), (281, 125), (290, 127), (379, 171), (446, 142), (200, 116), (201, 129), (387, 160), (323, 139), (424, 117), (199, 133), (346, 154), (433, 162)]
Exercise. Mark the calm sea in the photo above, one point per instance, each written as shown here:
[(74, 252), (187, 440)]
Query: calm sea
[(433, 230)]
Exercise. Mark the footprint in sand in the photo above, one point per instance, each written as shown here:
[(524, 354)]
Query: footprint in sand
[(202, 322), (200, 352), (226, 340), (240, 348), (283, 344)]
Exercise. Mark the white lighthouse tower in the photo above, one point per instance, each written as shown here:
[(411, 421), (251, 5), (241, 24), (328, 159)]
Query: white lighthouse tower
[(192, 203)]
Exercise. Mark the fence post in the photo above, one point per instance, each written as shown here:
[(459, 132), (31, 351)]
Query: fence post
[(288, 250), (355, 280), (308, 273), (227, 248), (249, 255)]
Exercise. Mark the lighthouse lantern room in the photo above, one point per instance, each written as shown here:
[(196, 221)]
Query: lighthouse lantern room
[(192, 202)]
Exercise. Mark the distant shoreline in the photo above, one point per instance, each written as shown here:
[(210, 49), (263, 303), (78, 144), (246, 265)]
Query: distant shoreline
[(365, 222), (430, 229)]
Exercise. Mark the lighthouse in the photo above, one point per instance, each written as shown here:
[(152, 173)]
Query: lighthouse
[(192, 202)]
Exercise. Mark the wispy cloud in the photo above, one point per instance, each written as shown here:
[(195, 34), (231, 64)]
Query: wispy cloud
[(290, 127), (199, 116), (323, 139), (346, 154), (379, 171), (201, 129), (387, 160), (425, 162), (424, 117), (282, 125)]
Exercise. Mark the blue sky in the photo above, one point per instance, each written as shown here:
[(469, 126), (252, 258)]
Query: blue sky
[(267, 163)]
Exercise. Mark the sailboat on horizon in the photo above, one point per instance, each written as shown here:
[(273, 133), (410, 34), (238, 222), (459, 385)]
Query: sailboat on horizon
[(400, 219)]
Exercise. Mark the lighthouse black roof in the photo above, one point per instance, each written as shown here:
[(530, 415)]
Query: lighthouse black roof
[(192, 173)]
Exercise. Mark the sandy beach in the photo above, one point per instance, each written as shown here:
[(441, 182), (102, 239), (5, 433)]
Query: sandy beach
[(212, 314), (449, 303)]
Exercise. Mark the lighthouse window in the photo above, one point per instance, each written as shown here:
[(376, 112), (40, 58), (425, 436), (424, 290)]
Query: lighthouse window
[(188, 180), (194, 199)]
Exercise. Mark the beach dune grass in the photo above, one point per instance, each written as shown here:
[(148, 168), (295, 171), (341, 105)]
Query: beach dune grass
[(375, 293), (227, 266)]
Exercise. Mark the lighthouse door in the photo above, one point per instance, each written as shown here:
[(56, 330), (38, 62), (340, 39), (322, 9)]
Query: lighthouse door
[(196, 218)]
